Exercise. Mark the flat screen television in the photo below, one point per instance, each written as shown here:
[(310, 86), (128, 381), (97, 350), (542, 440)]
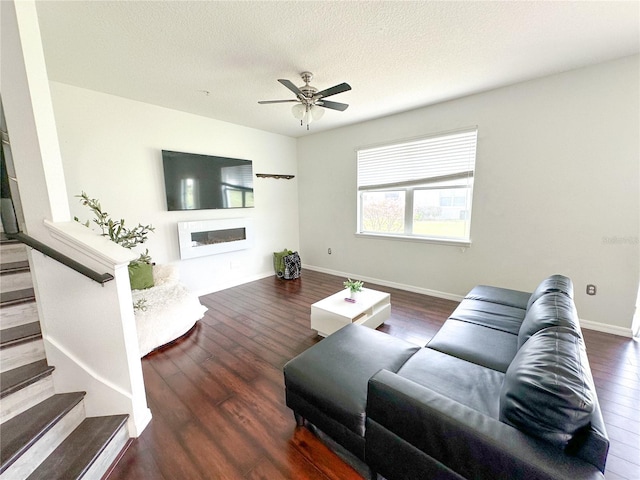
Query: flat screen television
[(202, 182)]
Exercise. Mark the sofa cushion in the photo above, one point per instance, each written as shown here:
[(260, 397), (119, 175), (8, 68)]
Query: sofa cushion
[(481, 345), (333, 374), (548, 390), (502, 296), (554, 283), (550, 310), (491, 315), (467, 383)]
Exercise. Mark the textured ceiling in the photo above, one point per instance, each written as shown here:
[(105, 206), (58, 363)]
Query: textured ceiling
[(217, 59)]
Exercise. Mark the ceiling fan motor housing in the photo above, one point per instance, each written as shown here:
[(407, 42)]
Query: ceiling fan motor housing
[(307, 90)]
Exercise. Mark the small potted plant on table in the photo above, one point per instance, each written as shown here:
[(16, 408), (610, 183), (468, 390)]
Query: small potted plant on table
[(355, 287)]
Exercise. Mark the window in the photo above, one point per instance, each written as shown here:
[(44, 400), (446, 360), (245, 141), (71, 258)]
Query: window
[(189, 193), (235, 192), (420, 188)]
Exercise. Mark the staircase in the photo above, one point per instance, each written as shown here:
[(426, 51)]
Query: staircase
[(43, 435)]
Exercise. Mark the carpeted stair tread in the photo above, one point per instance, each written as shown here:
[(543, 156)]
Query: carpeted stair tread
[(75, 455), (22, 431), (14, 267), (15, 297), (20, 334), (13, 380)]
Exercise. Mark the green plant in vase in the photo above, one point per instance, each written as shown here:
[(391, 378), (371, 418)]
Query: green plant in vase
[(354, 286), (140, 269)]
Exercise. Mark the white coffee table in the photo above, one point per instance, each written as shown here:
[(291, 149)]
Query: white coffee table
[(371, 309)]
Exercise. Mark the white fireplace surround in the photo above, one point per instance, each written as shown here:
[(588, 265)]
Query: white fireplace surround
[(210, 237)]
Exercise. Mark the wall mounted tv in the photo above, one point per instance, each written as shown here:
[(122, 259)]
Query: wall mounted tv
[(202, 182)]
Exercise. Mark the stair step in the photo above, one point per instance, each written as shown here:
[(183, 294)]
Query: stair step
[(7, 241), (16, 280), (17, 296), (23, 399), (13, 336), (14, 267), (23, 431), (21, 377), (21, 354), (13, 252), (80, 450), (19, 314)]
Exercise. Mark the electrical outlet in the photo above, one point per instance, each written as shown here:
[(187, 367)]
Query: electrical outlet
[(329, 251), (591, 289)]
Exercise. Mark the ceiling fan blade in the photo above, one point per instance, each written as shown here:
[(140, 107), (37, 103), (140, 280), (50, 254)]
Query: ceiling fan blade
[(276, 101), (333, 105), (289, 84), (343, 87)]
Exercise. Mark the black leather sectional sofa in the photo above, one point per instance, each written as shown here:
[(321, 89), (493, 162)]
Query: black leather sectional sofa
[(502, 391)]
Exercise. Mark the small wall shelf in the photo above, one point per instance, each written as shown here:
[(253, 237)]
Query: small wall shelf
[(274, 175)]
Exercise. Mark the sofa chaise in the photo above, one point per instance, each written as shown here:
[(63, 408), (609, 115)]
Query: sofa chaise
[(502, 391)]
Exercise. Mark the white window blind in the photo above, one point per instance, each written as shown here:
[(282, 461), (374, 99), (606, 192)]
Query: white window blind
[(428, 160)]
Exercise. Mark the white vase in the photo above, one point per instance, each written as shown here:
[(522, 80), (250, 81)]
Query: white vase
[(354, 295)]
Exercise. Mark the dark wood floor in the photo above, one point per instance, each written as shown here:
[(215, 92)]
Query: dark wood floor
[(217, 395)]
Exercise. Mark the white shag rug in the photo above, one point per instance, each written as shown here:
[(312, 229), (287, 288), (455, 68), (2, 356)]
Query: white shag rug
[(171, 310)]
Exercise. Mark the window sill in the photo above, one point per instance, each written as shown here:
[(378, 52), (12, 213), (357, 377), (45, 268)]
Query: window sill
[(406, 238)]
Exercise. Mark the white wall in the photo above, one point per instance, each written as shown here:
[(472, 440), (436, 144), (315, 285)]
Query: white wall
[(111, 149), (557, 191)]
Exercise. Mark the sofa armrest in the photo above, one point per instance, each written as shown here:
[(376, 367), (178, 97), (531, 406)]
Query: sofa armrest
[(455, 437)]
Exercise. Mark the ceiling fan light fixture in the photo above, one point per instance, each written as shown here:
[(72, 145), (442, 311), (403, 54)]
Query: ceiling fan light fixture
[(307, 113), (316, 112), (308, 116), (298, 111)]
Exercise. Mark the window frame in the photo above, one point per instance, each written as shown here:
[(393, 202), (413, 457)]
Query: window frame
[(409, 187)]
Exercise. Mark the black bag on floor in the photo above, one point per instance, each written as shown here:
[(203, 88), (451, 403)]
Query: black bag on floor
[(292, 266), (287, 264)]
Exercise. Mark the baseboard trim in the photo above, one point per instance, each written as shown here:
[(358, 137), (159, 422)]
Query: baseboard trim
[(234, 283), (604, 328), (386, 283), (587, 324)]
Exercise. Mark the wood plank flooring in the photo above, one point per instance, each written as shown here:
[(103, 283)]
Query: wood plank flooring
[(217, 395)]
